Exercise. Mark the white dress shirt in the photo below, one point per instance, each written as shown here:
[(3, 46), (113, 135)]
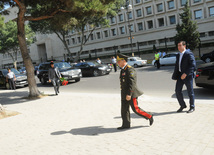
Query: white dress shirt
[(10, 75), (180, 59)]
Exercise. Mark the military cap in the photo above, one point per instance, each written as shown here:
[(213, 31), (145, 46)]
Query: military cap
[(121, 57)]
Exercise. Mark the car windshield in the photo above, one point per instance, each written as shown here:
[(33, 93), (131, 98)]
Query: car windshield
[(15, 71), (138, 58), (4, 71), (62, 65)]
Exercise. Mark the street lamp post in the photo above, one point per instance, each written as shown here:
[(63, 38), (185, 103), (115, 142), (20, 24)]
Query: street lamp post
[(166, 49), (128, 11)]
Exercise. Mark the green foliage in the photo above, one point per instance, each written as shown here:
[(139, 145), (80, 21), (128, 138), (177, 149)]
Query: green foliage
[(9, 39), (187, 31)]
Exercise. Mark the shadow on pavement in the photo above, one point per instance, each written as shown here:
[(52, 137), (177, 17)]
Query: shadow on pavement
[(92, 131), (200, 93), (13, 97)]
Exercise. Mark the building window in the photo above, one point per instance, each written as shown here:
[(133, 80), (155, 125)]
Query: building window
[(140, 26), (139, 13), (122, 30), (92, 37), (161, 22), (98, 35), (171, 5), (73, 40), (172, 20), (130, 15), (106, 33), (137, 1), (196, 1), (198, 14), (183, 2), (68, 42), (121, 17), (149, 10), (211, 11), (202, 35), (79, 40), (160, 7), (132, 28), (150, 24), (113, 32), (112, 20), (211, 33)]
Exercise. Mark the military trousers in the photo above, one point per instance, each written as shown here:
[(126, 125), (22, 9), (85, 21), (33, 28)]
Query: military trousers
[(125, 112), (12, 84)]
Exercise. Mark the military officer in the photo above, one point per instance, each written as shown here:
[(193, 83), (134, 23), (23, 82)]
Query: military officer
[(129, 93)]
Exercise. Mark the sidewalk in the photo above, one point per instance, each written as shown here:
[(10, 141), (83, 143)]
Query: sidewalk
[(86, 124)]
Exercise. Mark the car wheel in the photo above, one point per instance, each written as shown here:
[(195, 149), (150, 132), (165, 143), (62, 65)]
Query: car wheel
[(95, 73), (42, 80), (135, 65), (7, 86), (77, 80), (207, 60)]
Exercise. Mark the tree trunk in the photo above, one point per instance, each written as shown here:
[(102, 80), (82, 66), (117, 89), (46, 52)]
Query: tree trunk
[(34, 92), (15, 64)]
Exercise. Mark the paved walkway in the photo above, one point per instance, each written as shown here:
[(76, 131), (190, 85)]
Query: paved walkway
[(72, 124)]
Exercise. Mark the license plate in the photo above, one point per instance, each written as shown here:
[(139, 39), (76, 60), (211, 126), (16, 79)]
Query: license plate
[(74, 76), (108, 69), (23, 82)]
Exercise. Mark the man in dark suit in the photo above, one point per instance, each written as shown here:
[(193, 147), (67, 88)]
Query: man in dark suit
[(54, 77), (184, 73), (129, 93)]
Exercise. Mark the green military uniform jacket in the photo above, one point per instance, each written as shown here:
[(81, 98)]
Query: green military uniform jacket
[(128, 80)]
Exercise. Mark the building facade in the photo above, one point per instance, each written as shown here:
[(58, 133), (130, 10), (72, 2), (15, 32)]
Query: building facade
[(152, 23)]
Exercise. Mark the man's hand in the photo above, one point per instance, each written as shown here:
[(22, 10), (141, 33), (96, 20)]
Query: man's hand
[(49, 81), (128, 97), (183, 76), (14, 79)]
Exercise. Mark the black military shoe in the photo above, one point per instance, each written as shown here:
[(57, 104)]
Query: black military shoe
[(191, 110), (151, 120), (122, 128), (181, 109)]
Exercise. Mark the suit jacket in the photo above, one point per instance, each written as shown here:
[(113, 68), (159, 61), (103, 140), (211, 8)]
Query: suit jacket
[(52, 72), (128, 80), (188, 65)]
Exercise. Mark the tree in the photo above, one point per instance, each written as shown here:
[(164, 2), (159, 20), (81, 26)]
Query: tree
[(48, 9), (9, 41), (90, 12), (187, 31)]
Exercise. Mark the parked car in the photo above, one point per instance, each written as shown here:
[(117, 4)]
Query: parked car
[(21, 79), (136, 62), (22, 70), (208, 57), (93, 68), (67, 72), (35, 69), (168, 59), (205, 75)]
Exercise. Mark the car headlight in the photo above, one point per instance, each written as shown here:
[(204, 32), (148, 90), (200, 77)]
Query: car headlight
[(64, 73), (101, 68)]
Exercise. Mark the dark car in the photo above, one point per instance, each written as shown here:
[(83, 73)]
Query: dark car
[(21, 79), (93, 68), (67, 72), (205, 75), (208, 57)]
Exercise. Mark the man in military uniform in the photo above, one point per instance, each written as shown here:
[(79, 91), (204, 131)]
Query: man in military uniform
[(129, 93)]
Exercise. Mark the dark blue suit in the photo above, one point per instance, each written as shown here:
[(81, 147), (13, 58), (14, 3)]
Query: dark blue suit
[(188, 66)]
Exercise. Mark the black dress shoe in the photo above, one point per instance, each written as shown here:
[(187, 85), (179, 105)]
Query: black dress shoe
[(122, 128), (151, 120), (181, 109), (191, 110)]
